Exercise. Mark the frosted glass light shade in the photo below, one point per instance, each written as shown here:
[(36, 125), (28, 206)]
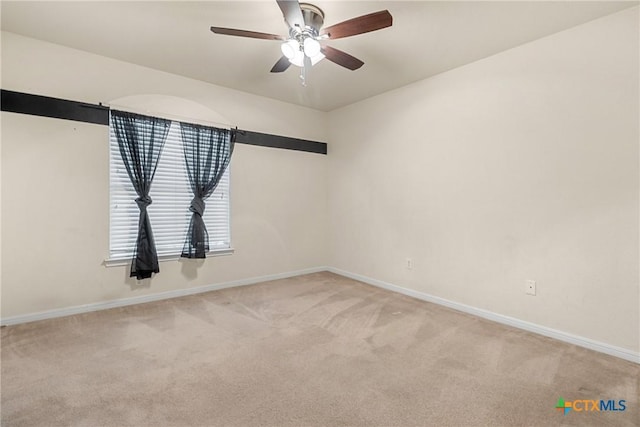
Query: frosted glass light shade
[(315, 59), (311, 47), (298, 59), (290, 48)]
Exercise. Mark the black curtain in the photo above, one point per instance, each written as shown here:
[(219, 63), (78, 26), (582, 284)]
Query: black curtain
[(141, 139), (207, 152)]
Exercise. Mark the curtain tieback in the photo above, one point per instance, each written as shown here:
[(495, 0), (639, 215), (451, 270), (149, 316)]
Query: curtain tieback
[(197, 206), (143, 202)]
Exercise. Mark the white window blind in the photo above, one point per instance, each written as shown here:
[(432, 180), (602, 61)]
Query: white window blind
[(169, 213)]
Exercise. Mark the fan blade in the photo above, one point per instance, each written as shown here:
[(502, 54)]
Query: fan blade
[(362, 24), (291, 12), (282, 64), (341, 58), (244, 33)]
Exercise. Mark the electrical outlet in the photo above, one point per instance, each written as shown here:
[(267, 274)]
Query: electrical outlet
[(530, 287), (409, 264)]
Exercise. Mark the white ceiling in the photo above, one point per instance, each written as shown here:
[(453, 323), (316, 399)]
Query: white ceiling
[(426, 38)]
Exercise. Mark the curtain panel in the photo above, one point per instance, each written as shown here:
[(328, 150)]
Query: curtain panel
[(207, 152), (140, 140)]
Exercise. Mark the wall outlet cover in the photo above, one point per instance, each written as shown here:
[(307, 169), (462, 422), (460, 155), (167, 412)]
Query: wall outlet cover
[(530, 287)]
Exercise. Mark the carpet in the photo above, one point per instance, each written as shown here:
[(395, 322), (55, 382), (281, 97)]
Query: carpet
[(312, 350)]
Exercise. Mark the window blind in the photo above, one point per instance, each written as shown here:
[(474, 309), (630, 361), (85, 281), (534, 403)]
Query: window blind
[(169, 213)]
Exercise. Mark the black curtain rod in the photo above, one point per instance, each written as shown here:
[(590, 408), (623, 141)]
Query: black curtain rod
[(44, 106), (99, 106)]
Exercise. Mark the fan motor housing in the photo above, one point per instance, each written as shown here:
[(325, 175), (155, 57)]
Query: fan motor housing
[(313, 16)]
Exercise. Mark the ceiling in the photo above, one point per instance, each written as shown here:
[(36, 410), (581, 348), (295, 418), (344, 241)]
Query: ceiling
[(427, 38)]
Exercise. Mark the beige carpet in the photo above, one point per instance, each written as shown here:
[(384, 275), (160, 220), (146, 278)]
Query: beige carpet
[(315, 350)]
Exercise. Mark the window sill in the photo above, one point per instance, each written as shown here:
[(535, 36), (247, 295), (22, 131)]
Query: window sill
[(118, 262)]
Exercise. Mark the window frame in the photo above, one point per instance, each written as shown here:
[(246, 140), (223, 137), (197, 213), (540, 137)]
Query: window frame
[(125, 259)]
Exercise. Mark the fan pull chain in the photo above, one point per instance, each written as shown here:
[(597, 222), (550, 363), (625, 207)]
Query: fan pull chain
[(303, 76)]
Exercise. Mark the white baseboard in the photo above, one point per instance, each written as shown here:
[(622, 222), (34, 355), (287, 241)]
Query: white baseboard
[(517, 323), (85, 308)]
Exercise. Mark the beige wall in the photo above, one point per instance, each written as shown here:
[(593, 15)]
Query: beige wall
[(55, 185), (520, 166)]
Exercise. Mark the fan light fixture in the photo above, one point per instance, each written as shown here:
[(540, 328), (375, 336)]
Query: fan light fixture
[(295, 50)]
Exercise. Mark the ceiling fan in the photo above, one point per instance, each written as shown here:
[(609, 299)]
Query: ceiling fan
[(302, 47)]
